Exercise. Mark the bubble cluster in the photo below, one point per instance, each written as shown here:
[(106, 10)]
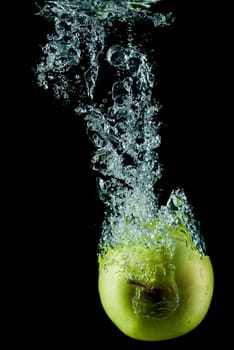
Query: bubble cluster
[(124, 126)]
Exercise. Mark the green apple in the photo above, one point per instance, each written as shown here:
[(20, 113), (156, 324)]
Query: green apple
[(156, 293)]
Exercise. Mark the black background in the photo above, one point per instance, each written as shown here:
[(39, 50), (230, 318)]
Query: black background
[(62, 201)]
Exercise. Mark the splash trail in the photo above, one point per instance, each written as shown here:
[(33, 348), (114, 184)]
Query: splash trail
[(140, 240)]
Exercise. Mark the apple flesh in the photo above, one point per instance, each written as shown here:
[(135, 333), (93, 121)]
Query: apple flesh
[(151, 295)]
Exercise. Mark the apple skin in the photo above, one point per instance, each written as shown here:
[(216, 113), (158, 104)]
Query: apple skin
[(193, 277)]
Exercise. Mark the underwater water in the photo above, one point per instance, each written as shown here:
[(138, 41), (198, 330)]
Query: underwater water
[(122, 114)]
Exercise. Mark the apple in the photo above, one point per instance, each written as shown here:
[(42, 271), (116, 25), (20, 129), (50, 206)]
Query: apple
[(156, 293)]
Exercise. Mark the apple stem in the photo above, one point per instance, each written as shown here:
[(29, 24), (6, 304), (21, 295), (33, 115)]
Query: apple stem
[(147, 288)]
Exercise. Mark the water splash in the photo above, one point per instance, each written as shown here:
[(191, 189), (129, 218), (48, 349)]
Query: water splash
[(124, 126)]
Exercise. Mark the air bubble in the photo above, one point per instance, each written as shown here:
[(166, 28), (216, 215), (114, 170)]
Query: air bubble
[(117, 56)]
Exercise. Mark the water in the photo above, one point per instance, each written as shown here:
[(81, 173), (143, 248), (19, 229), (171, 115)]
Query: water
[(123, 124)]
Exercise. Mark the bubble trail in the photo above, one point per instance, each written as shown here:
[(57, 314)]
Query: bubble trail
[(124, 128), (125, 133)]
